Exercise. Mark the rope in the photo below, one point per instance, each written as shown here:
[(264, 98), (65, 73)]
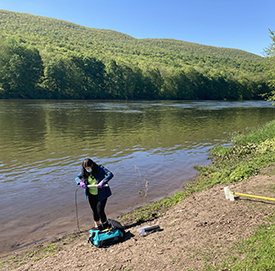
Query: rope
[(76, 209)]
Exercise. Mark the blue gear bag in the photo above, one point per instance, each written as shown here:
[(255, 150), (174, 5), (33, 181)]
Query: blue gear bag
[(107, 234)]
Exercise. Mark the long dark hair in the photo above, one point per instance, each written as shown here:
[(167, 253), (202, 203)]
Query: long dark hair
[(87, 163)]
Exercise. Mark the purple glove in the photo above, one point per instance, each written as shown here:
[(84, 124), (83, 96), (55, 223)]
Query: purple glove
[(100, 184), (82, 184)]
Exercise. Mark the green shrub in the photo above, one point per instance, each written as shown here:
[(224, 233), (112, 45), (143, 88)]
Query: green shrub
[(256, 136)]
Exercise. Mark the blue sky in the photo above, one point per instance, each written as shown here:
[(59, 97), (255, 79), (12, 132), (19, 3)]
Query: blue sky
[(241, 24)]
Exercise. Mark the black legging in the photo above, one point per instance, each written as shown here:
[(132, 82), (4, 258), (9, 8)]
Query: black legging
[(98, 208)]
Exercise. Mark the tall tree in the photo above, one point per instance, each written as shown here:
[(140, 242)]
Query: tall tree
[(114, 79), (62, 78), (270, 51), (153, 83), (177, 86), (21, 69), (93, 76)]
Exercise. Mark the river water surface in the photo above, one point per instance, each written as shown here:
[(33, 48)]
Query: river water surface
[(43, 143)]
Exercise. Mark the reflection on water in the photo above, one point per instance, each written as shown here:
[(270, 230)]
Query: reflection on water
[(44, 142)]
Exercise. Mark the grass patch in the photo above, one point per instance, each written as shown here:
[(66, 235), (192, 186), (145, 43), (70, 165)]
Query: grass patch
[(18, 265), (254, 254), (256, 136), (45, 252)]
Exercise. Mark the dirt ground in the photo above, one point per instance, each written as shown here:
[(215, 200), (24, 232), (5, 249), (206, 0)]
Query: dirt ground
[(195, 232)]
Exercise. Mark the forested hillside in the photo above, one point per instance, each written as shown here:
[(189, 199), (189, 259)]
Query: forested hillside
[(48, 58)]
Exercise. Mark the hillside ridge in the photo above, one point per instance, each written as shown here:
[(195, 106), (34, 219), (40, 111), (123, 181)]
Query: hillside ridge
[(36, 29)]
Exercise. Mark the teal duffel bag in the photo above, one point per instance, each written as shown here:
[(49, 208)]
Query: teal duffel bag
[(105, 236)]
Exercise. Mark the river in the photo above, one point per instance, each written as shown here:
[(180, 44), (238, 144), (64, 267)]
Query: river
[(43, 143)]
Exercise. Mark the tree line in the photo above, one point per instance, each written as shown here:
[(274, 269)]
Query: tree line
[(24, 74)]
